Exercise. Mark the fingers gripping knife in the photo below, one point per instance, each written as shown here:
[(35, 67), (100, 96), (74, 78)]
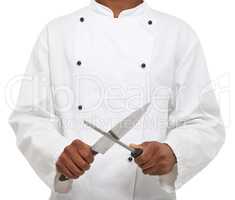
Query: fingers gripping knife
[(63, 184)]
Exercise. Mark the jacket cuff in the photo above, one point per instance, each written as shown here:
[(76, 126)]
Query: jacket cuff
[(57, 185), (177, 177)]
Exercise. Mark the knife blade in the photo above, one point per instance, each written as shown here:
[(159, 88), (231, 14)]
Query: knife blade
[(135, 152), (118, 131)]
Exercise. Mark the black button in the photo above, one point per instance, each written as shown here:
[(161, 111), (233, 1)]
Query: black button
[(143, 65), (130, 159), (79, 63), (150, 22), (82, 19), (80, 107)]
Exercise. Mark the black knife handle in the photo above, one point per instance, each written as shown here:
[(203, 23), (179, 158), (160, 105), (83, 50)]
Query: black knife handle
[(63, 178), (136, 153), (94, 153)]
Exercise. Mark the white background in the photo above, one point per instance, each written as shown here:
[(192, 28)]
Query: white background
[(213, 20)]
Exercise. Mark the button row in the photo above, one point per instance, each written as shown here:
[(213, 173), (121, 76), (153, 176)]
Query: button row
[(82, 19), (79, 63)]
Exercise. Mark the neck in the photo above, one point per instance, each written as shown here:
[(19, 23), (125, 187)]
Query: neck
[(117, 6)]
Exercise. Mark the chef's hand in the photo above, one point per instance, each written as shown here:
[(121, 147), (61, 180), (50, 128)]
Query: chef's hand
[(156, 159), (75, 159)]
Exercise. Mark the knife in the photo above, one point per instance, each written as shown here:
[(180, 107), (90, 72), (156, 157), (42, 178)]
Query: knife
[(116, 133), (135, 152)]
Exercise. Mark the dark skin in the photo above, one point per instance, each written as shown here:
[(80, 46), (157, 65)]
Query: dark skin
[(75, 159), (119, 5), (157, 158)]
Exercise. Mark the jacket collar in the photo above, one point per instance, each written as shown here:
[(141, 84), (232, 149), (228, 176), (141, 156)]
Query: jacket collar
[(104, 10)]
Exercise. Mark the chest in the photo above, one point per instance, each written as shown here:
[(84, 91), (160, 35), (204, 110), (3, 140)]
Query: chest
[(105, 70)]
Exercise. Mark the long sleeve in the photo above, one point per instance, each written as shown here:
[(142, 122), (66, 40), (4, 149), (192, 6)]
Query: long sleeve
[(196, 132), (34, 122)]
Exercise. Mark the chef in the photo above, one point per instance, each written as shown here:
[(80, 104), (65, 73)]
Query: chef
[(99, 64)]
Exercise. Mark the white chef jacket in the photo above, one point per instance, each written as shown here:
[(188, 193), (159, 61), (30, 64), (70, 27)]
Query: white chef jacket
[(89, 65)]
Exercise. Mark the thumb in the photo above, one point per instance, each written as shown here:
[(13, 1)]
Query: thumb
[(135, 146)]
